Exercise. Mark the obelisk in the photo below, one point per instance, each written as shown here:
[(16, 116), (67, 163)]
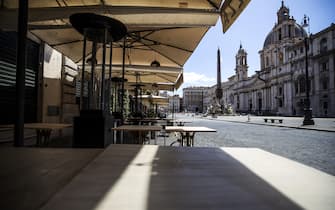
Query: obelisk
[(218, 91)]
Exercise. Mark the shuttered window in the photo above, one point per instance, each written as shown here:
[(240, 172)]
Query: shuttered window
[(8, 78)]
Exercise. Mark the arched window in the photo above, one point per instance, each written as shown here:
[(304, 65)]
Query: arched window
[(289, 30), (244, 60), (281, 57), (323, 45), (296, 86), (267, 61), (324, 66), (280, 91)]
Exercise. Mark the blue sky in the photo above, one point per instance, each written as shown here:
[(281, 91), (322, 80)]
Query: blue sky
[(250, 29)]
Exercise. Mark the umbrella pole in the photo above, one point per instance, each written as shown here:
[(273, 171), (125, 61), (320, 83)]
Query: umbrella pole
[(102, 91), (20, 73), (91, 91), (123, 71), (110, 75), (115, 97), (83, 74)]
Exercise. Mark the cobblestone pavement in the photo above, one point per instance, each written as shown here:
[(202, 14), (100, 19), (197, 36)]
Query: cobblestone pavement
[(322, 124), (310, 147)]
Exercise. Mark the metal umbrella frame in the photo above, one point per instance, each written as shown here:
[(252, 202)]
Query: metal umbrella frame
[(97, 29)]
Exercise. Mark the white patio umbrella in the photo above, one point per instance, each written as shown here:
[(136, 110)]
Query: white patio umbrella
[(164, 32)]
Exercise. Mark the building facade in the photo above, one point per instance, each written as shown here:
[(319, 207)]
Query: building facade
[(194, 99), (279, 87)]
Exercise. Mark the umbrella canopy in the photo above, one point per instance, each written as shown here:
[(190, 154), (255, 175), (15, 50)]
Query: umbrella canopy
[(165, 31), (54, 14), (151, 78), (169, 46)]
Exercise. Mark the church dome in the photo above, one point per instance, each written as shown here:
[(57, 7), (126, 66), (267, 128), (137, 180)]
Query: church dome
[(286, 27), (272, 39), (269, 39)]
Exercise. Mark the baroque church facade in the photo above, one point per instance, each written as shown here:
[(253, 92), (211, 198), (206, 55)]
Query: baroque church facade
[(279, 87)]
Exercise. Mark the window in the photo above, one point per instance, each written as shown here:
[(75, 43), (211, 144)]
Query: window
[(280, 91), (296, 86), (324, 66), (279, 34), (323, 45), (289, 30), (267, 61)]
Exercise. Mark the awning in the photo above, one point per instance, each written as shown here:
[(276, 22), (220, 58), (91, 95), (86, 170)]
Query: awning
[(165, 31), (169, 46), (230, 10), (151, 78), (172, 13)]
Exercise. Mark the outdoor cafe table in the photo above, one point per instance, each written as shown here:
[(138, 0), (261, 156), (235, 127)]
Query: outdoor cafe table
[(137, 128), (43, 130), (188, 132)]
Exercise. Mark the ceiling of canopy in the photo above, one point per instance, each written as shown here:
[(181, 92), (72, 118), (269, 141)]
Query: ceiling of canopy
[(150, 78), (164, 31)]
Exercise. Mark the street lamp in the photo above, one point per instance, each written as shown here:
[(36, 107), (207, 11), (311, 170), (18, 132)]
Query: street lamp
[(308, 120)]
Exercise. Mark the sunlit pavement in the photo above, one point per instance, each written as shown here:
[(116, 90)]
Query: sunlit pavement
[(322, 124)]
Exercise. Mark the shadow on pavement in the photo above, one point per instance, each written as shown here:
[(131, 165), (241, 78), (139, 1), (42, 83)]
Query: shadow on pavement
[(208, 178)]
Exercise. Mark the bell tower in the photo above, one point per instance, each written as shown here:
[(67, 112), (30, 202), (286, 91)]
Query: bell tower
[(241, 64), (283, 13)]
